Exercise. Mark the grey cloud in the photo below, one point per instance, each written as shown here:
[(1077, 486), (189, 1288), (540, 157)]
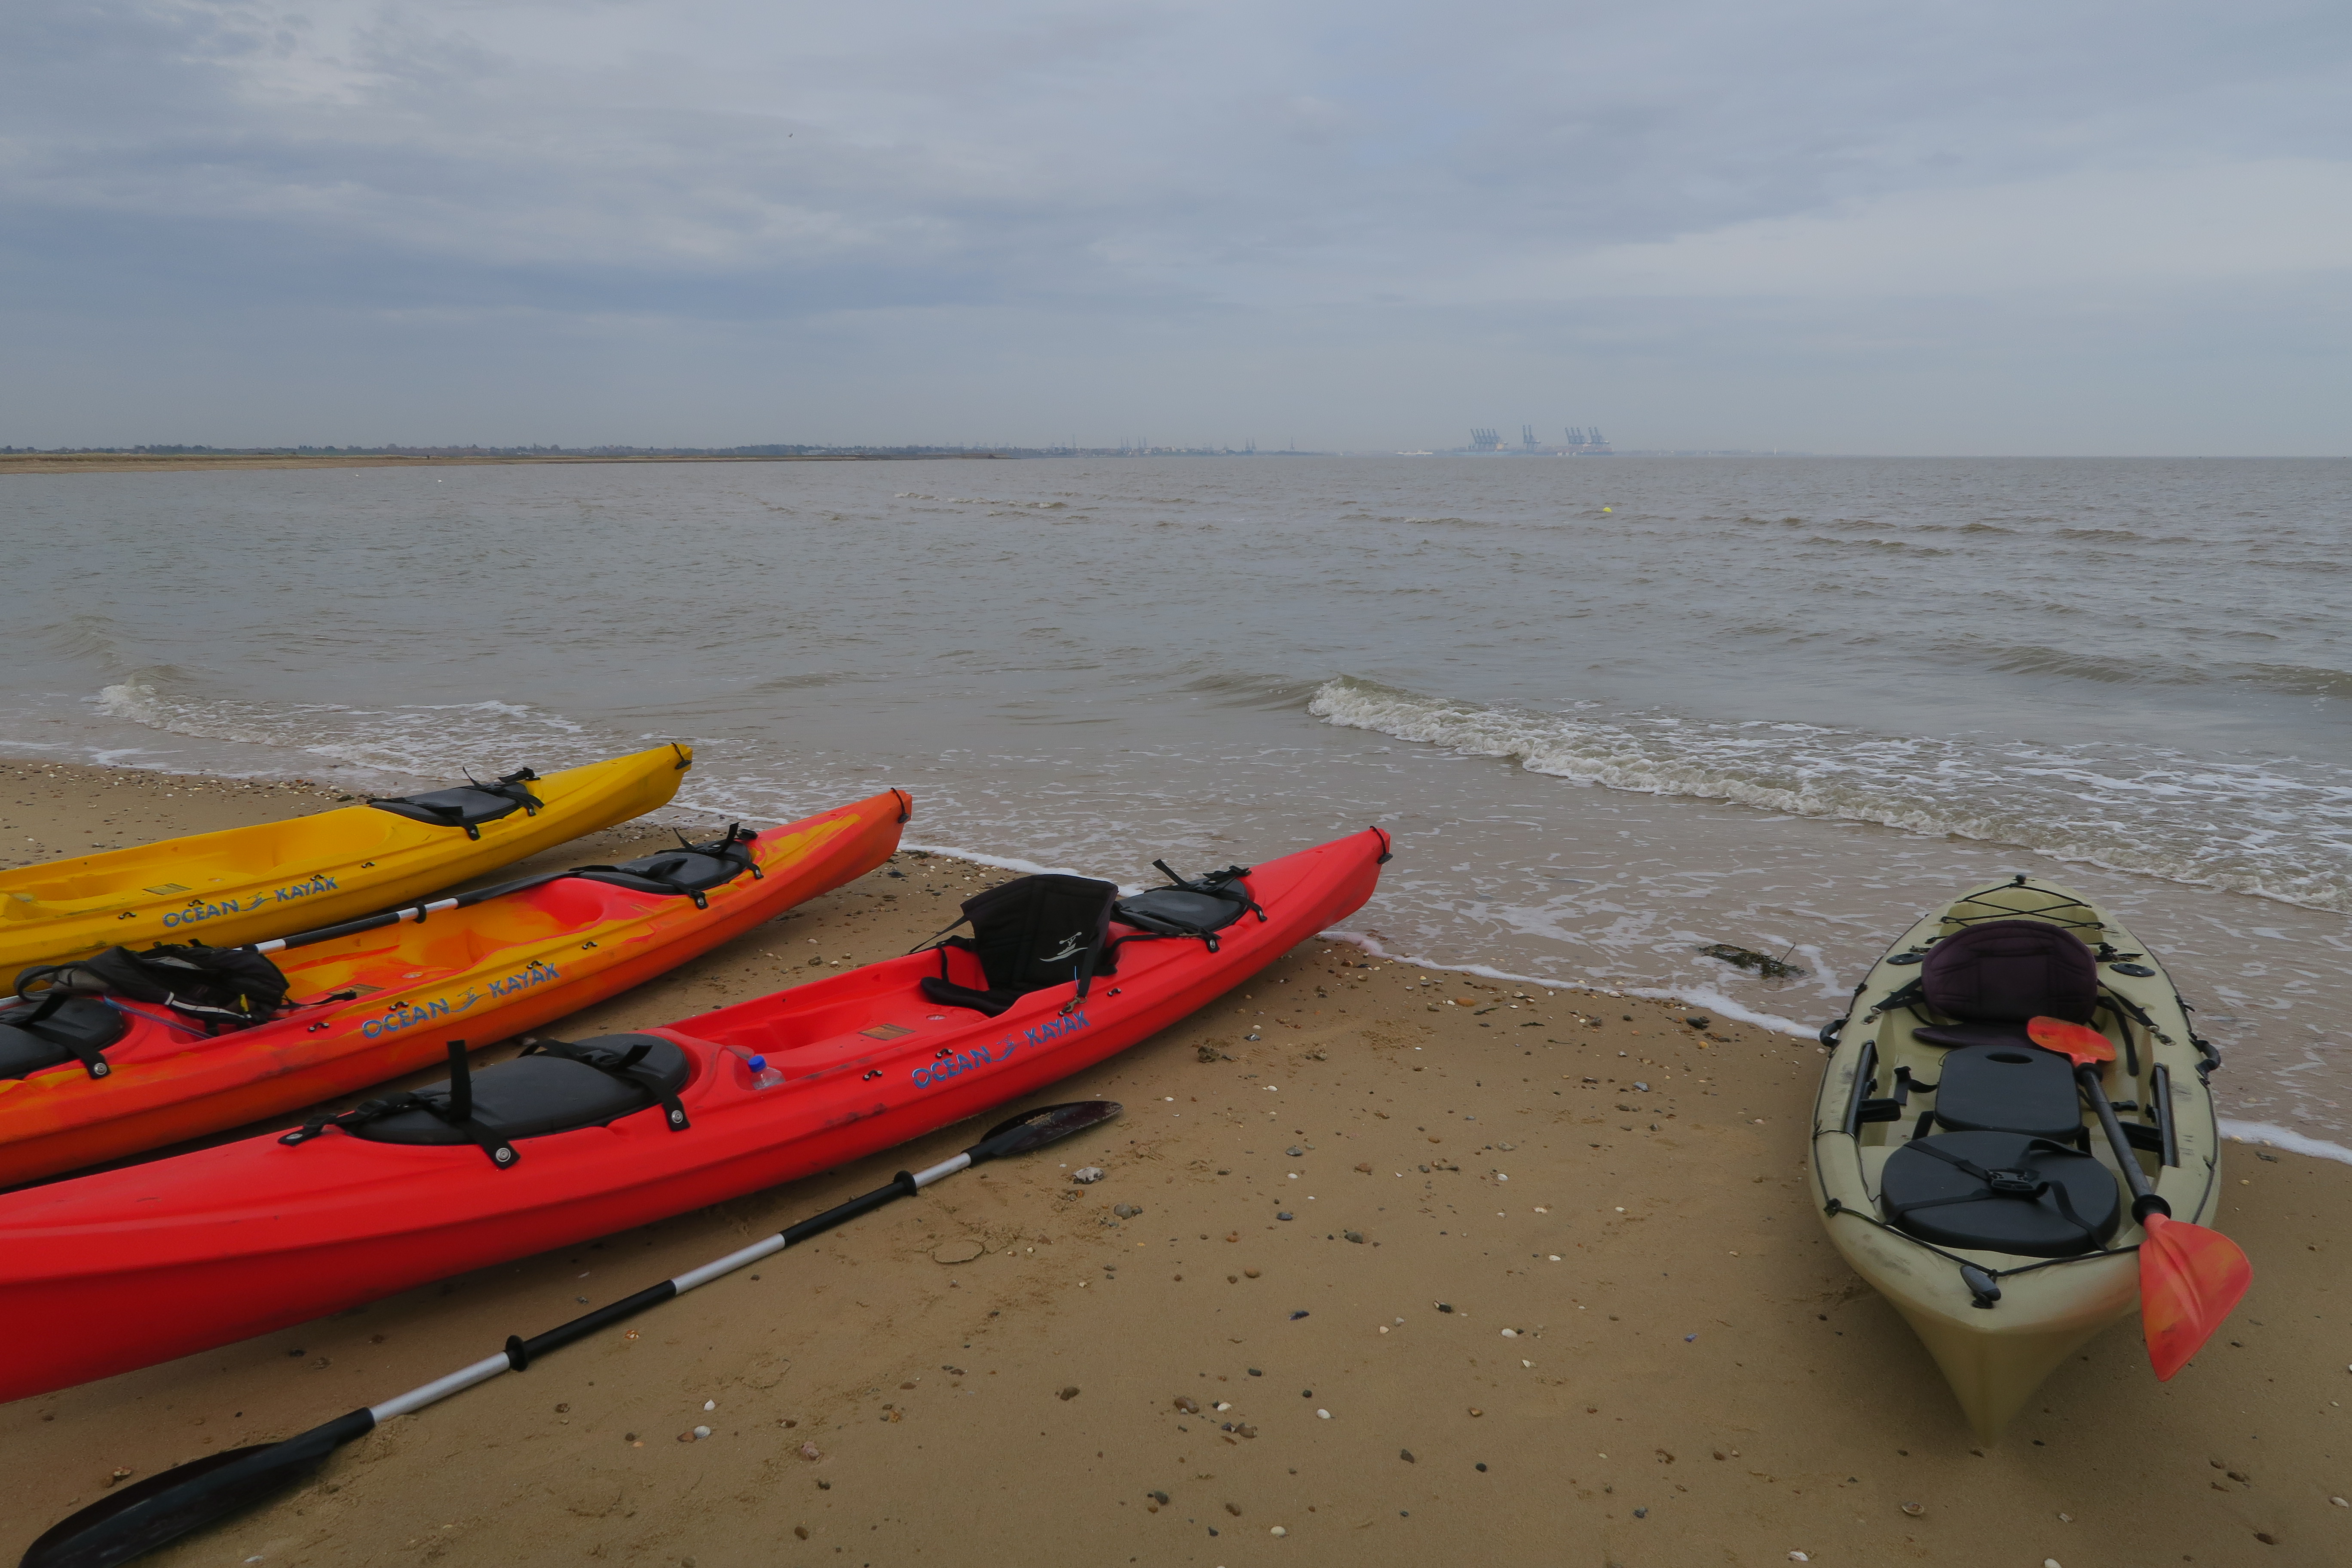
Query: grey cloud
[(1153, 191)]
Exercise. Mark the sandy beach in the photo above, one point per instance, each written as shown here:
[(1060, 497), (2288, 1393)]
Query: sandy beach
[(1552, 1292)]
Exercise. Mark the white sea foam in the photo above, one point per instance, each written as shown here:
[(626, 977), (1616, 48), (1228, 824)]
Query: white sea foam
[(395, 742), (2260, 829), (2284, 1138)]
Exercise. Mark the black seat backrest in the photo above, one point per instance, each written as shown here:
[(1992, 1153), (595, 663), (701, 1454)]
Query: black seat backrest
[(1030, 934), (2006, 972), (33, 1038), (469, 806)]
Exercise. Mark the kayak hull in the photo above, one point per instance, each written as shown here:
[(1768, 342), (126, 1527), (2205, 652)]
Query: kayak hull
[(255, 1235), (251, 884), (1995, 1357), (481, 974)]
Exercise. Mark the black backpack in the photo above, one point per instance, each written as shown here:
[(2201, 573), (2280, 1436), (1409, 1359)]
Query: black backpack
[(224, 988)]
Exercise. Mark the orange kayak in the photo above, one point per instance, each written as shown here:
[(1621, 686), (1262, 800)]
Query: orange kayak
[(372, 1004)]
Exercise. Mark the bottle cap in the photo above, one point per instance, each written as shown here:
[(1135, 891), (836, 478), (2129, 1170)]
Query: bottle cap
[(757, 1064)]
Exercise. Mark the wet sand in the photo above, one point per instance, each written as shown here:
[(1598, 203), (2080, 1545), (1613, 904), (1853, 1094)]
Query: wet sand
[(1653, 1356)]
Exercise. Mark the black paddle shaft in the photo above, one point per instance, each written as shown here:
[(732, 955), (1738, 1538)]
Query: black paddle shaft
[(2144, 1201)]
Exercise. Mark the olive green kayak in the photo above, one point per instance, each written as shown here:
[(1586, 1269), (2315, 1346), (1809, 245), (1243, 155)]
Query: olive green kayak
[(1955, 1165)]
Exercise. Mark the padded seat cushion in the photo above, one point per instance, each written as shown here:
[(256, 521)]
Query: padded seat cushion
[(1183, 909), (534, 1096), (459, 807), (27, 1047), (2044, 1201), (2009, 1089), (671, 872)]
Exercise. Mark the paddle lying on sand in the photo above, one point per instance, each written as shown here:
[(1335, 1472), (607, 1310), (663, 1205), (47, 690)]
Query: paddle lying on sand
[(164, 1507), (2190, 1276)]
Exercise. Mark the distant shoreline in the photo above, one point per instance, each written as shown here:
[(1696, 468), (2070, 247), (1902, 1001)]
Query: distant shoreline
[(185, 462)]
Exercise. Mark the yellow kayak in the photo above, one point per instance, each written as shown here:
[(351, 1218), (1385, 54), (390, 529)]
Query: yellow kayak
[(250, 884)]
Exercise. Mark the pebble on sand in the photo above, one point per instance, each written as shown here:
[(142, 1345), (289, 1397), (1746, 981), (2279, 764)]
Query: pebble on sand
[(810, 1451), (1086, 1175)]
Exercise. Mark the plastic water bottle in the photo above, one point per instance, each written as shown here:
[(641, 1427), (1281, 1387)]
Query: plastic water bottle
[(762, 1075)]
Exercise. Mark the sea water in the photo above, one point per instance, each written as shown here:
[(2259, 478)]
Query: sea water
[(1615, 711)]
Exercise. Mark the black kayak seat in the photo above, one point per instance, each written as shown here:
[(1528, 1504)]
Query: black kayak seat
[(683, 871), (2001, 1192), (537, 1096), (34, 1037), (1030, 934), (468, 805), (2019, 1088), (1181, 909)]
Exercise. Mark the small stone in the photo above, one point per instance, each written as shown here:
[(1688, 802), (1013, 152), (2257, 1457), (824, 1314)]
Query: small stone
[(1277, 1530), (824, 1486), (1698, 1020), (1125, 1211), (810, 1451), (1086, 1175), (1234, 1508), (1068, 1394), (1354, 1235), (1406, 1455), (801, 1530), (1286, 1214), (1323, 1415), (1188, 1405), (2050, 1563), (1799, 1557), (1444, 1307), (1915, 1509), (1640, 1513), (1482, 1467), (1365, 1167), (1298, 1314), (1249, 1273), (1475, 1411), (1295, 1151), (1160, 1497), (710, 1404), (686, 1436), (564, 1410)]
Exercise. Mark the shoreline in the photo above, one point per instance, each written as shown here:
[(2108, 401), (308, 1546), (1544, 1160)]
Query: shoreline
[(196, 462), (1401, 1111)]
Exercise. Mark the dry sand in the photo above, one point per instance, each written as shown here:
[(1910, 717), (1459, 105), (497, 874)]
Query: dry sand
[(1652, 1356)]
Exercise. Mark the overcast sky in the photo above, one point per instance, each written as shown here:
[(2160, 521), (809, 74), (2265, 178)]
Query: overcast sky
[(1829, 224)]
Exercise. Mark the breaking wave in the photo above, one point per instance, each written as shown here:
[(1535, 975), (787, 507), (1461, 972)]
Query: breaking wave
[(2273, 829)]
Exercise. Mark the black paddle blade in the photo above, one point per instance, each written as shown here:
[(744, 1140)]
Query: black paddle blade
[(1046, 1124), (145, 1515)]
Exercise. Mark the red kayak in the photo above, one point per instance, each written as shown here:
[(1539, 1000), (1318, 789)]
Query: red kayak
[(129, 1268)]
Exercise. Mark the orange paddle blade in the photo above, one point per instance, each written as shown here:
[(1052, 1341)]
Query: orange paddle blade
[(2085, 1045), (2189, 1278)]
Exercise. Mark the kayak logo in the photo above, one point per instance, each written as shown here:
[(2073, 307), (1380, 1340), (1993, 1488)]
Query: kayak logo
[(538, 973), (931, 1074), (405, 1016), (1072, 945), (196, 913)]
